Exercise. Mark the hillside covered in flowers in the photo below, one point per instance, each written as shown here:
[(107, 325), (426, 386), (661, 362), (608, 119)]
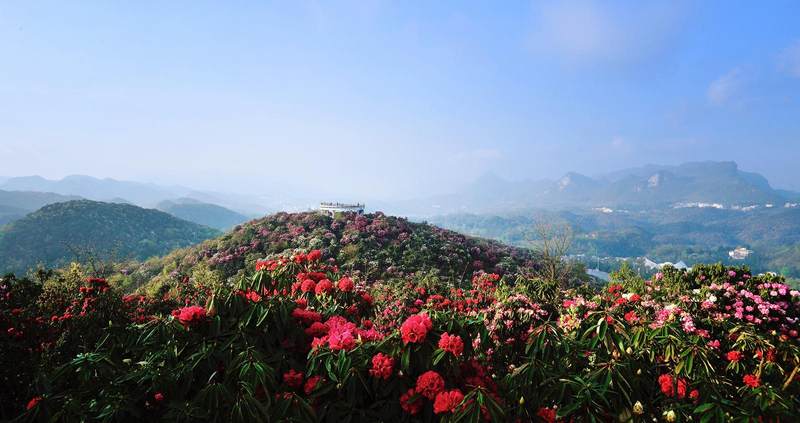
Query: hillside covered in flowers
[(373, 246), (300, 318)]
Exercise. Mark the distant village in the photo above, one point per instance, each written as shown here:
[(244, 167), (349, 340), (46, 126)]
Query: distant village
[(643, 265), (704, 205)]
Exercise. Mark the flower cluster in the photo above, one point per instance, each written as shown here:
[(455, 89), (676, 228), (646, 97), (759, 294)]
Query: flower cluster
[(415, 328), (298, 339), (190, 315)]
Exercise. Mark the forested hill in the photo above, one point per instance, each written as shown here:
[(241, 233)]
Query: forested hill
[(59, 233), (375, 246)]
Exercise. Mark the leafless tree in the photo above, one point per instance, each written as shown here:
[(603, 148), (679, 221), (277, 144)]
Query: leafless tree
[(552, 242)]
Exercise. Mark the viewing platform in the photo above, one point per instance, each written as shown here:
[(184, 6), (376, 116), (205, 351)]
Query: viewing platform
[(333, 208)]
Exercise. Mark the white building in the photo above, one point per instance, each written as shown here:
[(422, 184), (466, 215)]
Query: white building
[(739, 253), (333, 208)]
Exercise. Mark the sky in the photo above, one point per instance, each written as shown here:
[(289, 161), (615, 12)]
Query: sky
[(393, 100)]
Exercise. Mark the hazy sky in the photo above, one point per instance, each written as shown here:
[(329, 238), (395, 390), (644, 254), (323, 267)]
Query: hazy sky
[(384, 99)]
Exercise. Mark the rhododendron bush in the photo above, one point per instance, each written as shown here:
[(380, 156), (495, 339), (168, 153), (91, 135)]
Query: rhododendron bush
[(298, 339)]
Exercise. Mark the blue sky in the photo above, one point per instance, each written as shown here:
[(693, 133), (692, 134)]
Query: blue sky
[(382, 99)]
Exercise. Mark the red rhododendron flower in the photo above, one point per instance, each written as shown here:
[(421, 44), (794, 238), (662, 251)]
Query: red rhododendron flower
[(452, 344), (734, 355), (668, 383), (345, 284), (694, 395), (308, 285), (324, 286), (33, 402), (314, 255), (253, 296), (382, 366), (682, 385), (293, 379), (665, 381), (191, 315), (547, 414), (409, 403), (158, 396), (752, 381), (311, 384), (447, 401), (429, 384), (631, 317), (415, 328), (341, 340), (306, 316), (317, 330)]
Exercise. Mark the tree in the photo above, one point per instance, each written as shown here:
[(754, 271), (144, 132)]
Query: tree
[(552, 242)]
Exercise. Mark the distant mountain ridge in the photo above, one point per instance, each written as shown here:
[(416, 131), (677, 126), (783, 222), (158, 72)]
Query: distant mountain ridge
[(16, 204), (650, 186), (95, 188), (210, 215), (31, 200), (61, 232), (139, 193)]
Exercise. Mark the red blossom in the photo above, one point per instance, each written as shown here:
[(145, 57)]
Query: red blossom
[(158, 396), (665, 381), (631, 317), (190, 315), (317, 330), (734, 356), (323, 287), (311, 384), (308, 285), (429, 384), (547, 414), (33, 402), (447, 401), (452, 344), (314, 255), (293, 379), (415, 328), (382, 366), (345, 284), (752, 381), (306, 316)]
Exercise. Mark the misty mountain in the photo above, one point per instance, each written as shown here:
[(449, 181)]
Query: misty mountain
[(77, 230), (29, 201), (96, 189), (650, 186), (138, 193), (16, 204), (210, 215)]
